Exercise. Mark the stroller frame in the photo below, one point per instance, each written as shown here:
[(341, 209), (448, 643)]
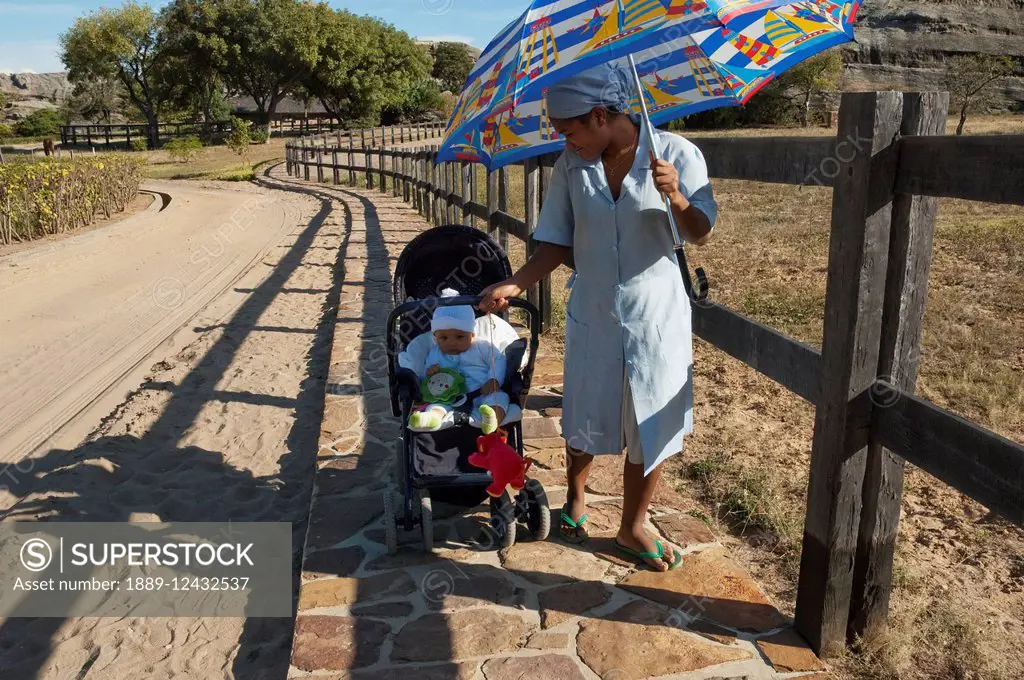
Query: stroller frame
[(530, 503)]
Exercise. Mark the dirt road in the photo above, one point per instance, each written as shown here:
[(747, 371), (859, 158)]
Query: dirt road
[(83, 318)]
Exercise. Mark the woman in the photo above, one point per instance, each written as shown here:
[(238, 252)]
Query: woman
[(628, 347)]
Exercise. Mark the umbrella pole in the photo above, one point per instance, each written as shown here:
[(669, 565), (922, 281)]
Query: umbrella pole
[(684, 269)]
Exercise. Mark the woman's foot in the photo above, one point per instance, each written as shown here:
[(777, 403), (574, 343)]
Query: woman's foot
[(574, 516), (647, 548)]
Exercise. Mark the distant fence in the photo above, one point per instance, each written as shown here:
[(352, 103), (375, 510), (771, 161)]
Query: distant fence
[(888, 162), (121, 135)]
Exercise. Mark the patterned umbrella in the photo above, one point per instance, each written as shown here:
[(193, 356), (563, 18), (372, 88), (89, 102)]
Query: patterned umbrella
[(689, 55), (686, 56)]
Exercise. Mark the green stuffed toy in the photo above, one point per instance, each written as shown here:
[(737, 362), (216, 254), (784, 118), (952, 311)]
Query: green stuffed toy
[(446, 386)]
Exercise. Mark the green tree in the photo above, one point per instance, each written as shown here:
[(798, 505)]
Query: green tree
[(452, 64), (196, 56), (240, 137), (820, 73), (367, 67), (95, 100), (970, 79), (122, 45), (41, 123), (272, 46)]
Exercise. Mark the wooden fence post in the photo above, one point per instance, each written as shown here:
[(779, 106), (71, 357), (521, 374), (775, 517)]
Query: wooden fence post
[(305, 161), (395, 177), (435, 182), (464, 170), (911, 237), (320, 165), (351, 160), (380, 167), (368, 167), (531, 191), (545, 283), (492, 204), (503, 206), (336, 175), (865, 166)]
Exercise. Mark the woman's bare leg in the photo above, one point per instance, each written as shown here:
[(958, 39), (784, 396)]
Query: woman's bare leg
[(636, 498), (577, 468)]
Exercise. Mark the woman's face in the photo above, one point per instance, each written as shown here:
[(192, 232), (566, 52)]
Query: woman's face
[(589, 137)]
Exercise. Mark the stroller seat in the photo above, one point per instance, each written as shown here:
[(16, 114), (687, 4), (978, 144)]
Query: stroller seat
[(504, 338)]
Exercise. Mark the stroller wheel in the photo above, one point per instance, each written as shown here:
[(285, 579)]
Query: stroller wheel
[(538, 514), (427, 521), (390, 523), (503, 521)]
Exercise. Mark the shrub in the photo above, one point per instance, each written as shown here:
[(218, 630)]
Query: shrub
[(47, 196), (139, 144), (6, 130), (240, 136), (260, 136), (184, 149), (41, 123)]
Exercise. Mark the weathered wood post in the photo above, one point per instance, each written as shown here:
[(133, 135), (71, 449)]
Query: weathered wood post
[(503, 206), (106, 136), (305, 160), (380, 167), (435, 182), (531, 192), (492, 204), (464, 169), (336, 175), (368, 160), (864, 168), (545, 283), (405, 175), (395, 177), (911, 235), (320, 165)]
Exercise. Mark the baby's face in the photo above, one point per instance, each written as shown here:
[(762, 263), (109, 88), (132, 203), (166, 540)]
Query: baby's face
[(453, 342)]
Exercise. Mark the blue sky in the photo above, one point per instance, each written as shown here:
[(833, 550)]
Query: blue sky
[(29, 29)]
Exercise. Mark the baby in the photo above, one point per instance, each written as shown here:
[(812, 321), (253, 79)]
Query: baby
[(452, 345)]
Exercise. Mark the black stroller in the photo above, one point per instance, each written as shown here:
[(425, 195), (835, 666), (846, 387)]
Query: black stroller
[(468, 260)]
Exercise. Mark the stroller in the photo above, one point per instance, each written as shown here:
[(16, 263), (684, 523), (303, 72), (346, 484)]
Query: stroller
[(467, 259)]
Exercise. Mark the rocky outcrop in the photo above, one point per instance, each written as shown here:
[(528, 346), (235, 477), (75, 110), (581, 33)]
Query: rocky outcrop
[(28, 92), (907, 45)]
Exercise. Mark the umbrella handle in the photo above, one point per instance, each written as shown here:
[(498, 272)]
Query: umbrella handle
[(700, 293)]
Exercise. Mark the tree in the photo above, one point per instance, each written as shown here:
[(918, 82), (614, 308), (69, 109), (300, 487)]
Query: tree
[(367, 66), (196, 56), (95, 100), (452, 64), (122, 45), (41, 123), (818, 74), (272, 46), (970, 78)]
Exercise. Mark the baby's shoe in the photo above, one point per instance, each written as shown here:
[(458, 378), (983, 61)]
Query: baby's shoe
[(488, 419)]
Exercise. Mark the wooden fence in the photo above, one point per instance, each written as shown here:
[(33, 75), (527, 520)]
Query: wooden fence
[(886, 166), (121, 135)]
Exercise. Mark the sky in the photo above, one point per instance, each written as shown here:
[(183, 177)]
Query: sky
[(29, 28)]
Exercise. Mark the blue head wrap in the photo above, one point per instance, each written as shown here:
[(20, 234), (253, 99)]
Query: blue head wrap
[(609, 85)]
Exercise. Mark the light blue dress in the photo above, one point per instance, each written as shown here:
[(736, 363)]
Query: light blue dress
[(628, 312)]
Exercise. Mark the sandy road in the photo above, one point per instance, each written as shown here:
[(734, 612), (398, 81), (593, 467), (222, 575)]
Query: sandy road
[(83, 318)]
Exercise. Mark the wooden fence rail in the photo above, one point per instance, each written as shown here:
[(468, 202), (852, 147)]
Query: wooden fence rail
[(885, 166)]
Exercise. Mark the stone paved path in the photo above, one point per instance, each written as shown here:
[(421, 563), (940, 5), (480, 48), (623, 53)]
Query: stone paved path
[(539, 610)]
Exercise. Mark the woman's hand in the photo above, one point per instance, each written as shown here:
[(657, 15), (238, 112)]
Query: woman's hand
[(495, 297), (666, 180)]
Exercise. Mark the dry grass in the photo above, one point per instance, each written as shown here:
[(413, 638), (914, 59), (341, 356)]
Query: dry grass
[(214, 162)]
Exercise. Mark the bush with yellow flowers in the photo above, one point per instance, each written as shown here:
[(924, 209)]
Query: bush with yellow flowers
[(50, 196)]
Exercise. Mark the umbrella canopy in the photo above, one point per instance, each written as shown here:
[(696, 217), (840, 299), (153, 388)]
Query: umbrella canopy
[(690, 55)]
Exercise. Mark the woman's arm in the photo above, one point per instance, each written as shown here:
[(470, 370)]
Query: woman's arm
[(545, 260), (694, 226)]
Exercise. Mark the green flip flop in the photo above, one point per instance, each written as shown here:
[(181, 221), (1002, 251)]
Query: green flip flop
[(579, 533), (677, 557)]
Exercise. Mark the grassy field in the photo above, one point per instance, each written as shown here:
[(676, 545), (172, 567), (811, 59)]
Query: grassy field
[(214, 162)]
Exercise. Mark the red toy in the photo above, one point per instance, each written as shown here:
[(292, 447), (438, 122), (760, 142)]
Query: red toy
[(501, 460)]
